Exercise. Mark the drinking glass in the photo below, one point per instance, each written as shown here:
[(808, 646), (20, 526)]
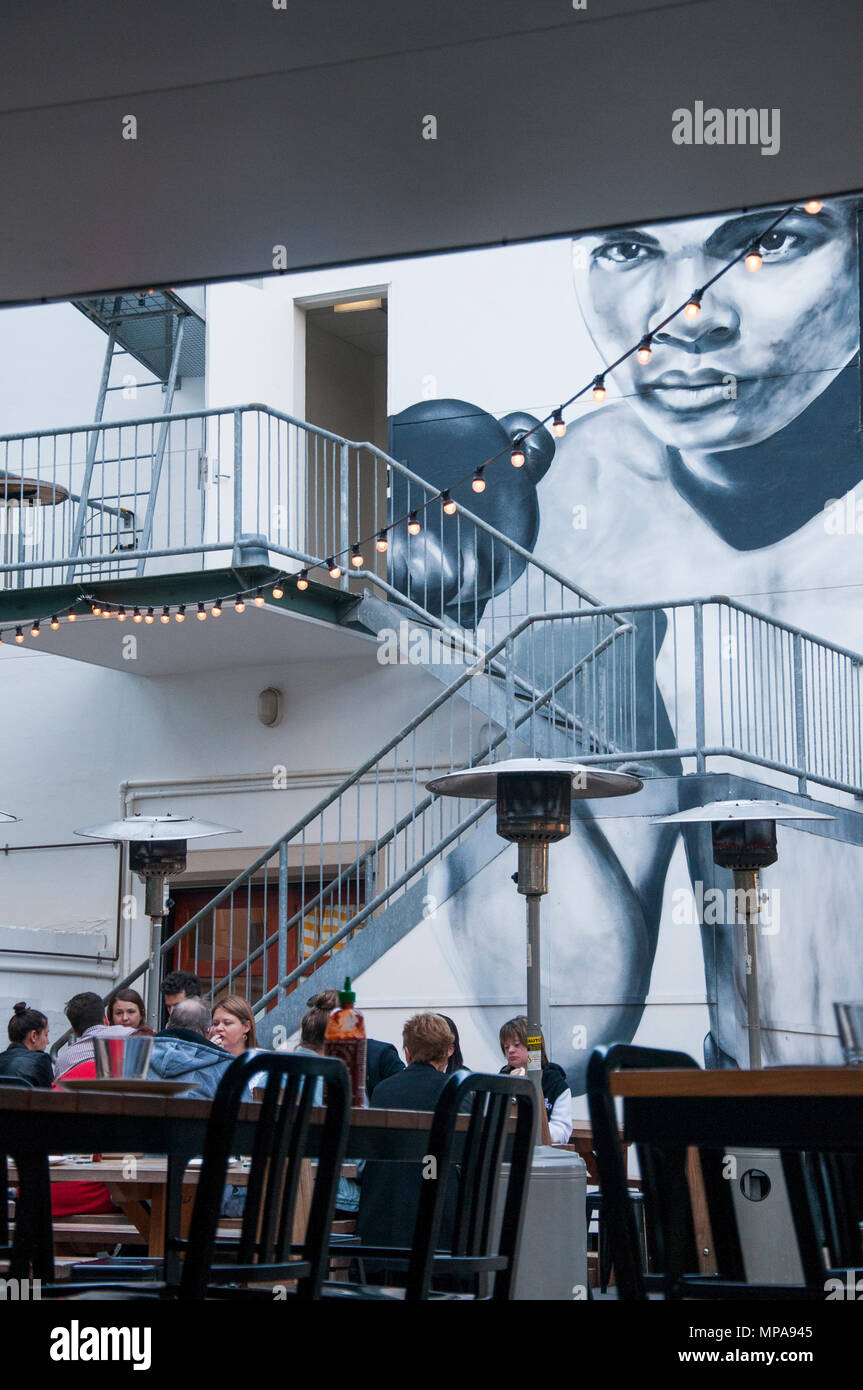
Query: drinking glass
[(122, 1057)]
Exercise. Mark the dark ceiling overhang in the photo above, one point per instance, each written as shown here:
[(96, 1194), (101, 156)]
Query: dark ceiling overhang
[(301, 127)]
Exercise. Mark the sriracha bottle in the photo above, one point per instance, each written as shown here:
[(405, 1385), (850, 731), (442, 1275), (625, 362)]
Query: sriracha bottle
[(346, 1038)]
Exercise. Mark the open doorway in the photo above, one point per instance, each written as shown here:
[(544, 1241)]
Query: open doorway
[(346, 393), (227, 938)]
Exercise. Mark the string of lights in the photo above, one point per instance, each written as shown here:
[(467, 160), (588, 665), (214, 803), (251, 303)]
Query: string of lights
[(353, 553)]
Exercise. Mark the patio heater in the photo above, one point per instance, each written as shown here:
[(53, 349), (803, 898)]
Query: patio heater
[(157, 852), (744, 841), (534, 803)]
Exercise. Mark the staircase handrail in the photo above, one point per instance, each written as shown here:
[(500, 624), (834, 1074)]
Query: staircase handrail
[(345, 785)]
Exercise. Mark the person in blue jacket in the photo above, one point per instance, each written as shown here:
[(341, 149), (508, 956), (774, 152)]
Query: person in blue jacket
[(182, 1051)]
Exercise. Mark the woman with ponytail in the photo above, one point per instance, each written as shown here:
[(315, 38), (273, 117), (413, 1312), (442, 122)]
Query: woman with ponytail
[(26, 1057)]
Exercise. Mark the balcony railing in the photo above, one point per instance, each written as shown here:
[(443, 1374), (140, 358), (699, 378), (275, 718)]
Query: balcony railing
[(213, 488)]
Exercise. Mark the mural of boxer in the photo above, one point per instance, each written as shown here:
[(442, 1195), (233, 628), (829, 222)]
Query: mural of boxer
[(710, 469)]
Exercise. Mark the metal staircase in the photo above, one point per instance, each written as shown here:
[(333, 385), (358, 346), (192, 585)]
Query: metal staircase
[(372, 853)]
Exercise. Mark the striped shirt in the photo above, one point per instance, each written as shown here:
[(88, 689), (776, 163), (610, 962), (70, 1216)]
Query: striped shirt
[(81, 1050)]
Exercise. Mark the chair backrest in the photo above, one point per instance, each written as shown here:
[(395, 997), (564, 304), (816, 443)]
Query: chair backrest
[(819, 1137), (278, 1170), (486, 1103), (611, 1162), (18, 1083)]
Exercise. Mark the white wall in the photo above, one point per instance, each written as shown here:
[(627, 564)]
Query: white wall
[(489, 327)]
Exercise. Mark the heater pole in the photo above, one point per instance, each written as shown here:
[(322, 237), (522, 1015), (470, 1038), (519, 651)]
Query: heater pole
[(746, 881), (534, 972), (532, 883)]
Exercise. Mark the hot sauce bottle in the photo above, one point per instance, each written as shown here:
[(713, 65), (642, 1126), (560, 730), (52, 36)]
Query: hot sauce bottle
[(346, 1038)]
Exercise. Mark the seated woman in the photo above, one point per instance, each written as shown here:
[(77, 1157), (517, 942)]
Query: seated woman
[(558, 1097), (456, 1061), (234, 1030), (126, 1009), (312, 1029), (26, 1058)]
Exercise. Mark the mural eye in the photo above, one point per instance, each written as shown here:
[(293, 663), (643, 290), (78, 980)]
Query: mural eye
[(778, 243), (622, 253)]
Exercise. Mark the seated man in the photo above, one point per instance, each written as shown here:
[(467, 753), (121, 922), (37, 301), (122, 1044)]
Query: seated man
[(390, 1191), (86, 1014), (179, 985), (182, 1051)]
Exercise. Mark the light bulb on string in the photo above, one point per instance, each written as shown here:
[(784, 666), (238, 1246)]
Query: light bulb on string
[(137, 616), (149, 616), (278, 591), (216, 610), (643, 353), (334, 569), (180, 615), (55, 623), (259, 598), (813, 205), (73, 617), (693, 308), (239, 605), (356, 557), (752, 260), (382, 542), (478, 481), (165, 615), (201, 613), (599, 391), (19, 636), (450, 506), (34, 631), (96, 610), (558, 424), (517, 455), (121, 615), (106, 613), (414, 524), (303, 579)]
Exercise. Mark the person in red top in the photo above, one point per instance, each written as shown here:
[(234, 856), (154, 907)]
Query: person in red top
[(80, 1198)]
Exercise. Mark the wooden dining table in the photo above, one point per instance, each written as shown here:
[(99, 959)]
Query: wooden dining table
[(138, 1185), (36, 1123)]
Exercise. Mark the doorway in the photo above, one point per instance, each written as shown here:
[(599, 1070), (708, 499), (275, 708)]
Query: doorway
[(225, 938), (346, 393)]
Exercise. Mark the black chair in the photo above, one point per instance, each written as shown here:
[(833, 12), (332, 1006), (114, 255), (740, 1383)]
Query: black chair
[(474, 1252), (266, 1252), (595, 1211), (621, 1239), (819, 1137), (19, 1083)]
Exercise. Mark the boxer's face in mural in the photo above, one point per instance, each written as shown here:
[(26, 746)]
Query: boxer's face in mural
[(765, 343)]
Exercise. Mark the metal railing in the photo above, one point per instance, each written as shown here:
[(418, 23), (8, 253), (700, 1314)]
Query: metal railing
[(212, 488), (670, 686)]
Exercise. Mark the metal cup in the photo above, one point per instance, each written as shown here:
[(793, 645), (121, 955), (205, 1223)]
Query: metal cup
[(122, 1057), (849, 1020)]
